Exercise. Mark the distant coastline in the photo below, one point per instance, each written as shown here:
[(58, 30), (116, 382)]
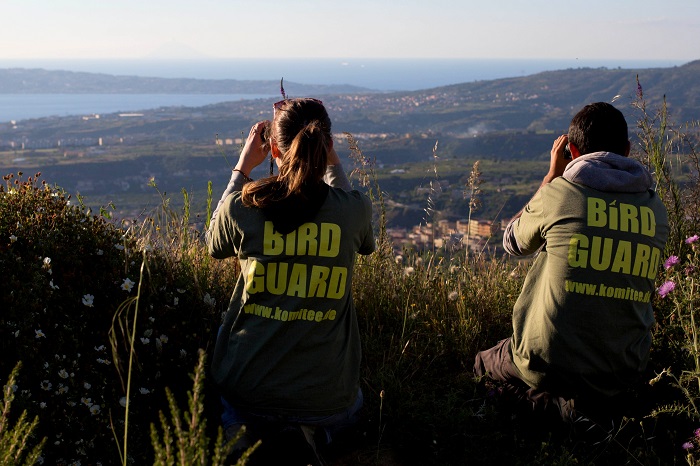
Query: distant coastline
[(374, 73), (47, 88), (16, 107)]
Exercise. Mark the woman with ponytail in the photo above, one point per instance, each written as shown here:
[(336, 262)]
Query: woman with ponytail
[(288, 351)]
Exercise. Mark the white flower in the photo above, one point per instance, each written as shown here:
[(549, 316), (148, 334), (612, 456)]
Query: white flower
[(100, 348), (42, 405), (87, 386), (144, 391), (46, 365), (180, 290), (122, 401), (399, 259), (176, 300), (63, 374), (127, 285), (86, 401), (119, 247), (62, 389), (453, 295), (183, 353), (88, 300), (419, 261), (53, 287), (148, 332), (99, 252), (145, 341), (408, 271), (106, 362), (163, 338), (46, 385), (13, 238), (47, 262), (39, 334), (95, 409), (209, 300)]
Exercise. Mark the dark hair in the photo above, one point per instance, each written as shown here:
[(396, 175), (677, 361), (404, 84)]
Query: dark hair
[(599, 127), (301, 129)]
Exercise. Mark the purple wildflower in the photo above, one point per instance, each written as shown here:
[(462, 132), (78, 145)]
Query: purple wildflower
[(640, 93), (284, 94), (697, 433), (666, 288), (671, 261), (692, 239), (689, 270), (688, 446)]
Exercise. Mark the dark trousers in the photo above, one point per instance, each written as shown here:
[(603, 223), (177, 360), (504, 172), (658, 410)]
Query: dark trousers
[(497, 364)]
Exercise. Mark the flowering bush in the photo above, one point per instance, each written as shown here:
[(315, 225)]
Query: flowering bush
[(67, 274)]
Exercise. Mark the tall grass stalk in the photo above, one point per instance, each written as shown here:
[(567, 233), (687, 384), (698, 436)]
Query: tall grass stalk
[(14, 439), (658, 142), (184, 440), (367, 175), (472, 193), (122, 313)]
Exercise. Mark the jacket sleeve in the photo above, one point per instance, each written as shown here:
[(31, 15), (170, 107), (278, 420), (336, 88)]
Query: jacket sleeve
[(220, 236), (335, 177), (524, 234), (235, 184)]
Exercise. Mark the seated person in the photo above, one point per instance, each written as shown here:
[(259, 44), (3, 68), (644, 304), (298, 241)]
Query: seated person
[(288, 351), (581, 325)]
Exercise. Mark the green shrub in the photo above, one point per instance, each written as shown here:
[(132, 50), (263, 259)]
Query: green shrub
[(67, 273)]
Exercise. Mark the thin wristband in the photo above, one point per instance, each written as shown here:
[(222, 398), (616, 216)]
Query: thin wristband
[(246, 177)]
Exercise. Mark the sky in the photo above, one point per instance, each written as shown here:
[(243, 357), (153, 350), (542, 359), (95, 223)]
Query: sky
[(543, 29)]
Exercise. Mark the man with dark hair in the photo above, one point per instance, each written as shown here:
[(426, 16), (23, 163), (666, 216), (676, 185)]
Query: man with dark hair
[(581, 325)]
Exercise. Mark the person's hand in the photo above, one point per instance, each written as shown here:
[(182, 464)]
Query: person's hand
[(557, 162), (253, 153)]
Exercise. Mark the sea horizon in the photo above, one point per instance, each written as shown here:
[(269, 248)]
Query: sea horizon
[(384, 75)]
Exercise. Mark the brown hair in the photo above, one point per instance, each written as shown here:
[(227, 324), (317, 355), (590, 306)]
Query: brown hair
[(301, 129)]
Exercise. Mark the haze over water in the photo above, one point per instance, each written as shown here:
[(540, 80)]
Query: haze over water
[(376, 74)]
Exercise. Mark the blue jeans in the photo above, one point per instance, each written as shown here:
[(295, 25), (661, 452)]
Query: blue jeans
[(330, 425)]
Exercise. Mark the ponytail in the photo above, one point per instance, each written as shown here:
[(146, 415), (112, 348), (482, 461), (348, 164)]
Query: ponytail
[(301, 129)]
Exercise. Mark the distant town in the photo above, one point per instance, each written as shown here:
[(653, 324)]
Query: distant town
[(449, 236)]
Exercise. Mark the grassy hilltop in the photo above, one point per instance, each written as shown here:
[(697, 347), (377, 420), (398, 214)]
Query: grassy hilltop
[(103, 313)]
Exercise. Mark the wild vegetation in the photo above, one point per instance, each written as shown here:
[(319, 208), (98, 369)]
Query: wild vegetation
[(105, 316)]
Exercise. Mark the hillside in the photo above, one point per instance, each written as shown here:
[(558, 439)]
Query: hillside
[(507, 122), (540, 102)]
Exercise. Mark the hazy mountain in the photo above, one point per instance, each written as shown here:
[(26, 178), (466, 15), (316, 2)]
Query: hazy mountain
[(40, 81)]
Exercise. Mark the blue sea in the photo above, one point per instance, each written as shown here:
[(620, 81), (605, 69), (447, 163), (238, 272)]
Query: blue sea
[(376, 74)]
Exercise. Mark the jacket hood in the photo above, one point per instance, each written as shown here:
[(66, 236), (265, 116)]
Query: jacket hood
[(608, 172)]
